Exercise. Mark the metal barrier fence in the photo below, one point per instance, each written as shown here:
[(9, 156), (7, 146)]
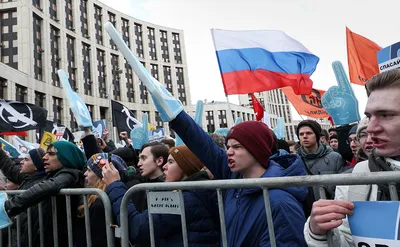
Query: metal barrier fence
[(389, 178), (84, 192)]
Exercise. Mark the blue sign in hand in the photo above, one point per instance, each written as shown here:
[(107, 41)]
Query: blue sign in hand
[(166, 104), (5, 221), (140, 136), (78, 107), (340, 101)]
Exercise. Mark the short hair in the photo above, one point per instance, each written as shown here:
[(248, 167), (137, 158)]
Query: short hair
[(325, 133), (291, 143), (158, 150), (219, 140), (334, 137), (385, 79), (169, 142)]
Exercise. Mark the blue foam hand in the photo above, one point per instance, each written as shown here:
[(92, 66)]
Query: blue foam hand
[(5, 221), (140, 136), (238, 120), (279, 130), (340, 101), (166, 104), (78, 107)]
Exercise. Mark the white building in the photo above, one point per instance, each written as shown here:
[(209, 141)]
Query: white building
[(38, 37)]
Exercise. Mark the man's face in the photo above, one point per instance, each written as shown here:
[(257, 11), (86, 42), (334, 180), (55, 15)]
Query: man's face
[(323, 140), (292, 149), (366, 143), (384, 121), (334, 144), (353, 142), (27, 166), (50, 160), (239, 159), (307, 137), (147, 165)]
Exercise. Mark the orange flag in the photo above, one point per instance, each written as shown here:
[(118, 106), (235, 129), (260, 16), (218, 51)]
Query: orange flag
[(362, 58), (307, 105)]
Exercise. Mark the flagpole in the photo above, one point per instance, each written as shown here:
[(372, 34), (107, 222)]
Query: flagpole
[(220, 72)]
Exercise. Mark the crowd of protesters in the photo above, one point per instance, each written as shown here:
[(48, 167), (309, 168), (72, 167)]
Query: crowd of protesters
[(249, 150)]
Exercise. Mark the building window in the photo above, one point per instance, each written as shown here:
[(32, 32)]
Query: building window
[(90, 109), (144, 97), (9, 38), (36, 3), (84, 19), (55, 56), (125, 32), (69, 20), (152, 43), (177, 48), (101, 74), (20, 93), (37, 41), (71, 62), (139, 40), (181, 85), (167, 79), (98, 24), (53, 9), (57, 110), (111, 18), (210, 121), (159, 122), (234, 116), (72, 123), (103, 112), (129, 83), (244, 116), (248, 116), (3, 88), (115, 71), (40, 99), (154, 71), (87, 73), (164, 46), (222, 119)]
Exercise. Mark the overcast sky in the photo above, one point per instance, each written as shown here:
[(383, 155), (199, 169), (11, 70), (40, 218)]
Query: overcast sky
[(317, 24)]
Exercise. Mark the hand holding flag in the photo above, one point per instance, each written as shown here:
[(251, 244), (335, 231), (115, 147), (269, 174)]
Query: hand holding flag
[(340, 101)]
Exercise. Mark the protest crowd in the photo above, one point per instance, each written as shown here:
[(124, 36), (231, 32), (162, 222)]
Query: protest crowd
[(301, 216)]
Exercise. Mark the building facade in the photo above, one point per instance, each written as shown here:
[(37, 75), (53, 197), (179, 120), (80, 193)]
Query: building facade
[(216, 115), (38, 37)]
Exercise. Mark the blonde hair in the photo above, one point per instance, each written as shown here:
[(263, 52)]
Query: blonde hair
[(99, 184)]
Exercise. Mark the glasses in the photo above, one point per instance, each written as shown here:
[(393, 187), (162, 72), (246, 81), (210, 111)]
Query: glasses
[(362, 135), (350, 140)]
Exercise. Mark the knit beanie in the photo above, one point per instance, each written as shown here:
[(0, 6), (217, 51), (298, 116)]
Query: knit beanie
[(37, 158), (69, 155), (362, 125), (353, 130), (97, 161), (316, 128), (256, 137), (186, 160)]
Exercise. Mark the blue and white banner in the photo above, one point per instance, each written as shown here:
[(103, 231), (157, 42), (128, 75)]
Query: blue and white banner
[(156, 135), (98, 128), (376, 224), (389, 58)]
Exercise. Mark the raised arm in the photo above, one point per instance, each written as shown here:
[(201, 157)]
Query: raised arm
[(10, 170)]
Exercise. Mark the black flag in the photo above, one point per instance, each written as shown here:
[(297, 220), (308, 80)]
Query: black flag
[(123, 118), (51, 127), (17, 116)]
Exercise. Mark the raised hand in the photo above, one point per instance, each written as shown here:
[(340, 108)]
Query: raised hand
[(140, 136), (166, 104), (340, 101), (78, 107)]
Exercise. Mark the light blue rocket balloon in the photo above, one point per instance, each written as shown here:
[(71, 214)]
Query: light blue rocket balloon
[(340, 101), (238, 120), (222, 131), (140, 136), (5, 221), (78, 107), (279, 130), (166, 104)]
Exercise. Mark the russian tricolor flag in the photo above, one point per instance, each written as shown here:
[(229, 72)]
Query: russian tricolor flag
[(256, 61)]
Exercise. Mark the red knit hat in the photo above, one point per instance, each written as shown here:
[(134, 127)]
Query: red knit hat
[(256, 137)]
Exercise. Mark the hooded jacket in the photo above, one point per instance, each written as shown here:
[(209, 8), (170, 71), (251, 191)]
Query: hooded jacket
[(201, 210), (245, 218), (342, 236), (323, 161)]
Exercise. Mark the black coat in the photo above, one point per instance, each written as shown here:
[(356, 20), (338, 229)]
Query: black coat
[(42, 192)]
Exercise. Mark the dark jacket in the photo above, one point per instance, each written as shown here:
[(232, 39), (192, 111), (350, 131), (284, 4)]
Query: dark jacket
[(245, 216), (323, 161), (42, 192), (201, 211)]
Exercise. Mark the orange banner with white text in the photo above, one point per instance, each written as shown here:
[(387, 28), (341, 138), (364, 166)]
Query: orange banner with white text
[(307, 105)]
